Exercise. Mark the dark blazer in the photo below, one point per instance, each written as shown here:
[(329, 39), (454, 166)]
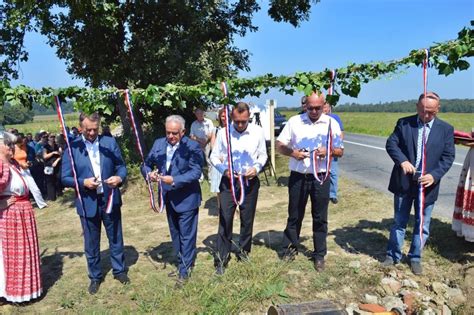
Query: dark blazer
[(401, 146), (186, 168), (111, 164)]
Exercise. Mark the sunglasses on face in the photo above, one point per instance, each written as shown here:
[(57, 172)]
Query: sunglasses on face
[(314, 109)]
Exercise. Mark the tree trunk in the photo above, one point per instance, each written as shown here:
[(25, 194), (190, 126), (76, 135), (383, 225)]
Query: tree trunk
[(127, 125)]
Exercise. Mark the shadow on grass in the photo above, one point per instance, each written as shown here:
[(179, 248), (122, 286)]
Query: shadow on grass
[(52, 265), (164, 253), (273, 240), (371, 238), (283, 181), (211, 205)]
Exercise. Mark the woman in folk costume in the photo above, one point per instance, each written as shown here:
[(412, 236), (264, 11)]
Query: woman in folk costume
[(463, 216), (20, 279)]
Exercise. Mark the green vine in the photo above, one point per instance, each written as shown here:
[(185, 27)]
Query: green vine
[(446, 57)]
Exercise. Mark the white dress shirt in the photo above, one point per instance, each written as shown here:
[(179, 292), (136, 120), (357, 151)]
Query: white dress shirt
[(93, 152), (170, 150), (301, 133), (248, 149)]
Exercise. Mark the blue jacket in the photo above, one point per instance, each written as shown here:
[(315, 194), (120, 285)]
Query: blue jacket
[(186, 168), (402, 145), (111, 164)]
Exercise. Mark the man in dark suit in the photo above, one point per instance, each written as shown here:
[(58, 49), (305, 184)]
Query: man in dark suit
[(100, 170), (178, 161), (405, 148)]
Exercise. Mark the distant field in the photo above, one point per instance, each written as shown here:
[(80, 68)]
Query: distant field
[(46, 122), (382, 124)]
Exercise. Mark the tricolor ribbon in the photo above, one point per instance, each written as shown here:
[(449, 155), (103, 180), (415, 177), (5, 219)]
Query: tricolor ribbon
[(328, 157), (333, 79), (153, 205), (230, 165), (421, 188), (110, 202), (62, 123)]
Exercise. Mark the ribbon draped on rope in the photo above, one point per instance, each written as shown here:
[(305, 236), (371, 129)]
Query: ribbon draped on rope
[(153, 205), (230, 164), (421, 188), (62, 124)]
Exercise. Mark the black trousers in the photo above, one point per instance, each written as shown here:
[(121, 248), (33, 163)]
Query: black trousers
[(300, 186), (226, 218)]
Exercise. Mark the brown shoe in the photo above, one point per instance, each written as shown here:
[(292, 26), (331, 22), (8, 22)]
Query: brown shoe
[(319, 265)]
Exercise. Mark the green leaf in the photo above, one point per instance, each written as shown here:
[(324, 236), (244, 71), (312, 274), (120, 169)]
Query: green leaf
[(463, 65), (167, 103)]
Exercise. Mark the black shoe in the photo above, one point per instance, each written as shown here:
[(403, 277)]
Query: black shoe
[(334, 200), (319, 265), (416, 268), (123, 278), (220, 269), (94, 287)]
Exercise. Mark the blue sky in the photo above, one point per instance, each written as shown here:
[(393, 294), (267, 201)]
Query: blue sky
[(338, 32)]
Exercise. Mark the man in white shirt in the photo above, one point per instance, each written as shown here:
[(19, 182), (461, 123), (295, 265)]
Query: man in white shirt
[(303, 136), (249, 155)]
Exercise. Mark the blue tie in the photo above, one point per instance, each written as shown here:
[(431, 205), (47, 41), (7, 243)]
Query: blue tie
[(419, 146)]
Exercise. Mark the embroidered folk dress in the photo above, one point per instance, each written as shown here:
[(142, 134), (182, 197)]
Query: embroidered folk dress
[(20, 278), (463, 216)]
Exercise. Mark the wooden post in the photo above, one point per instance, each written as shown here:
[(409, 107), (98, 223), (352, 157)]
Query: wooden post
[(271, 107)]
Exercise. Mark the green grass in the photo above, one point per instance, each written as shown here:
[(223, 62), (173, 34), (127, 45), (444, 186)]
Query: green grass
[(49, 123), (358, 231), (382, 124)]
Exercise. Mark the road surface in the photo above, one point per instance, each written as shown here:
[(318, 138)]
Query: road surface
[(366, 161)]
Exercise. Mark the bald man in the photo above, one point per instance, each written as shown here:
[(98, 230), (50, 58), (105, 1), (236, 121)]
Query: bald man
[(302, 136), (404, 146)]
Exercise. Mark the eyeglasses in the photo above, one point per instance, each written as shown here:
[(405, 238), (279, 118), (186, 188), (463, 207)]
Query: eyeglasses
[(240, 122), (315, 109)]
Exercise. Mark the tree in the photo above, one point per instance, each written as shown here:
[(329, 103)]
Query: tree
[(17, 114), (136, 43)]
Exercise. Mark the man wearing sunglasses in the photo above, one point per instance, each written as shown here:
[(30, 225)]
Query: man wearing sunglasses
[(305, 139), (249, 155)]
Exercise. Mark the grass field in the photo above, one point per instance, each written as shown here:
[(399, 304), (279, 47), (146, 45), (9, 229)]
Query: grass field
[(382, 124), (49, 123), (358, 230)]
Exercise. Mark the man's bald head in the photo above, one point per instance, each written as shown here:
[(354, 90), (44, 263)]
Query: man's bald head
[(314, 105)]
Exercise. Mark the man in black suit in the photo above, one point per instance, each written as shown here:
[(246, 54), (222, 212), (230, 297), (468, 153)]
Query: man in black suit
[(405, 147)]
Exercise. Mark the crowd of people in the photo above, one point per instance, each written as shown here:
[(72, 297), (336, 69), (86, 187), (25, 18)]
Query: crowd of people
[(421, 146)]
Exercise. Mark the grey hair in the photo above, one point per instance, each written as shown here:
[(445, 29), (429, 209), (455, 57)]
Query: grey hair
[(177, 119), (8, 138)]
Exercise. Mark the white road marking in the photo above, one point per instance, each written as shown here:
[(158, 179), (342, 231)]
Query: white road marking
[(364, 145), (379, 148)]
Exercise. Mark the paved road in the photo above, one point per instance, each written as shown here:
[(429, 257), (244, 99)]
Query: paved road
[(366, 161)]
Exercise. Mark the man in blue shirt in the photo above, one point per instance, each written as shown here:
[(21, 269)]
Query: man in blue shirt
[(334, 167)]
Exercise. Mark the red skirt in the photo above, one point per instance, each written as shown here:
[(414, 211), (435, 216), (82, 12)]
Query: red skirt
[(20, 253), (463, 216)]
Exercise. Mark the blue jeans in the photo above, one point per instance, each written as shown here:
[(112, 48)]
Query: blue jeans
[(334, 175), (402, 209)]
